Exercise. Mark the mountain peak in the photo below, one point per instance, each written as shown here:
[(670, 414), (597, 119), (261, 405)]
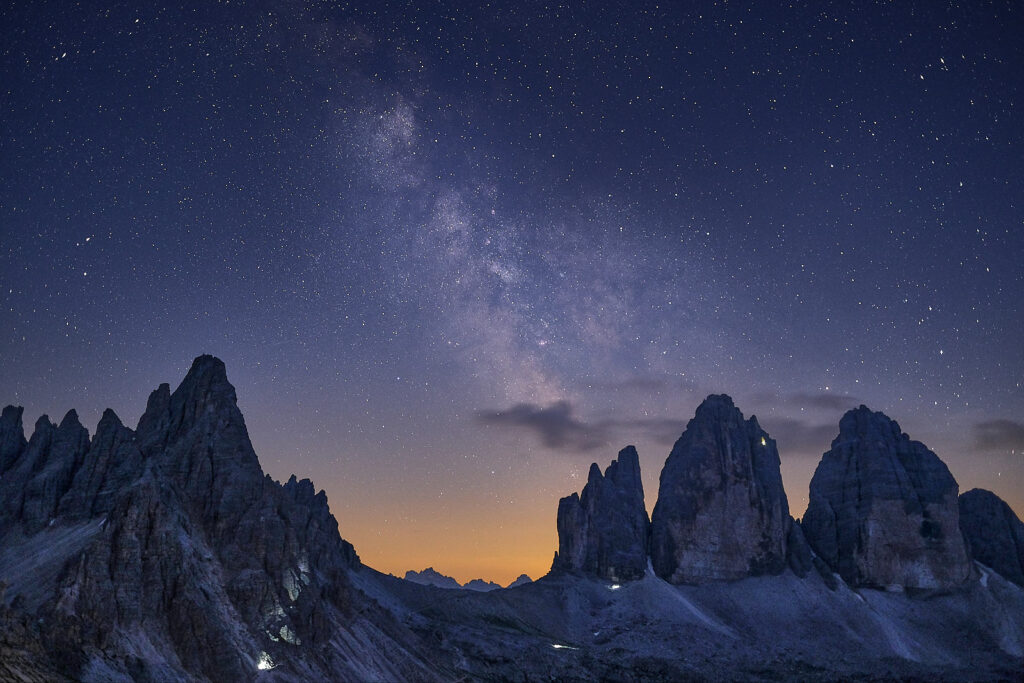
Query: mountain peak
[(876, 477), (207, 365), (994, 534), (862, 422), (714, 406), (109, 419), (604, 530), (12, 435), (206, 382), (11, 414), (70, 420), (722, 511)]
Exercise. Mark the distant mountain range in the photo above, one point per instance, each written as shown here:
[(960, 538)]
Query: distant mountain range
[(431, 577), (164, 553)]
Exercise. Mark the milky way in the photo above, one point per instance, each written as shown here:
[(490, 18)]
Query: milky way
[(452, 257)]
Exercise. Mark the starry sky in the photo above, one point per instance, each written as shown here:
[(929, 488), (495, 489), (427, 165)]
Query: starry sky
[(452, 254)]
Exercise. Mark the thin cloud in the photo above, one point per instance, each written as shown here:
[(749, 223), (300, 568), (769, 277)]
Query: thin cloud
[(999, 435), (664, 431), (555, 425), (822, 400), (799, 436)]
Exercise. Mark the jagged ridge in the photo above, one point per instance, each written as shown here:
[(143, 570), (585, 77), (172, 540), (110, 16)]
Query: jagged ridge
[(173, 535)]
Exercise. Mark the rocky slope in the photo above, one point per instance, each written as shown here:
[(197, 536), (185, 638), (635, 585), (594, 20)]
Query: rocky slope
[(603, 531), (883, 509), (165, 552), (994, 534), (722, 513)]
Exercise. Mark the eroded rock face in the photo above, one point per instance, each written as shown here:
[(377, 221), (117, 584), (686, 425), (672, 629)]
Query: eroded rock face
[(12, 436), (883, 509), (604, 531), (994, 534), (37, 477), (722, 513), (174, 532)]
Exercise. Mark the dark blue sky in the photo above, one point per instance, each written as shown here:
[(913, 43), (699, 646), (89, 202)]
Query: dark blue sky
[(451, 256)]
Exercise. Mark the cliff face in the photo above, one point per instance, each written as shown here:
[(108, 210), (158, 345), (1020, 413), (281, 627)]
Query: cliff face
[(722, 513), (994, 535), (169, 545), (603, 531), (883, 509)]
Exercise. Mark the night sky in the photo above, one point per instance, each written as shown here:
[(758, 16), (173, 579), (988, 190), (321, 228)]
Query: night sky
[(453, 256)]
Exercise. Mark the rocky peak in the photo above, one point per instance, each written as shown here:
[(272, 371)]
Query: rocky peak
[(71, 421), (197, 436), (432, 577), (12, 436), (883, 509), (481, 586), (716, 408), (175, 529), (722, 513), (154, 424), (204, 389), (109, 422), (42, 432), (38, 478), (112, 463), (521, 580), (994, 534), (604, 531)]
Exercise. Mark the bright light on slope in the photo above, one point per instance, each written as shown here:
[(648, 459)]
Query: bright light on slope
[(265, 662)]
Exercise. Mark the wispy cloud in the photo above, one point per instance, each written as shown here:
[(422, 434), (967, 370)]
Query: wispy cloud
[(800, 437), (556, 425), (822, 400), (802, 400), (999, 435)]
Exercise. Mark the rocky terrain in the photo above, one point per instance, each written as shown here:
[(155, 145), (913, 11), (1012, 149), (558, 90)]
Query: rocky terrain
[(163, 553)]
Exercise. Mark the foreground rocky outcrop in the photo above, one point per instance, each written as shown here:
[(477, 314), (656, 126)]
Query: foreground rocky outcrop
[(994, 534), (722, 513), (883, 509), (165, 552), (603, 531)]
